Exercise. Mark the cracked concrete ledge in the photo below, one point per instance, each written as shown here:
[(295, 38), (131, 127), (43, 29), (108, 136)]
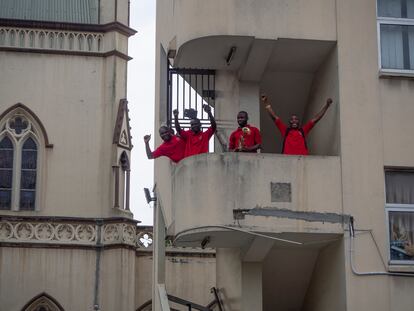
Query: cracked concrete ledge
[(307, 216)]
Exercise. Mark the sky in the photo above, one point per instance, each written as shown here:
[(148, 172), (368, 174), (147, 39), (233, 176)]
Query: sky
[(141, 90)]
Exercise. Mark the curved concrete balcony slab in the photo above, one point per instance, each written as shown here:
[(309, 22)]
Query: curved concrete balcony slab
[(231, 198)]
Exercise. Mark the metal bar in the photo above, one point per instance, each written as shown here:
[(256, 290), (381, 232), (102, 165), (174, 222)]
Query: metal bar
[(197, 96), (184, 302), (202, 88), (177, 81), (193, 71), (183, 95), (216, 295), (189, 89), (208, 88), (168, 96)]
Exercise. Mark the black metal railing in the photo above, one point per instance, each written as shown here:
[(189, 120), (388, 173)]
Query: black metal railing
[(190, 305), (188, 91)]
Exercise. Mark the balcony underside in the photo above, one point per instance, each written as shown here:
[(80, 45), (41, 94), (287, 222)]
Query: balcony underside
[(253, 57)]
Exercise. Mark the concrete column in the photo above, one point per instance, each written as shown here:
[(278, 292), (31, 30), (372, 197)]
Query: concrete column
[(252, 293), (229, 277), (158, 263), (249, 99)]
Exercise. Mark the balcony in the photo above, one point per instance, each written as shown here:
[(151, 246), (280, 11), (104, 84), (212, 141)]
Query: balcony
[(222, 199)]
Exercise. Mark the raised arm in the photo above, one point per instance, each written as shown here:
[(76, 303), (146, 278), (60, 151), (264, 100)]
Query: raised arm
[(268, 107), (207, 109), (321, 113), (176, 123), (147, 138)]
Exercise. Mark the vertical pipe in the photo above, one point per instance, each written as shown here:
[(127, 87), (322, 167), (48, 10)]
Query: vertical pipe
[(99, 224)]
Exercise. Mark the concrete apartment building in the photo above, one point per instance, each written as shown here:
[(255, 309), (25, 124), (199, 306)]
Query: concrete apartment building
[(68, 240), (330, 231)]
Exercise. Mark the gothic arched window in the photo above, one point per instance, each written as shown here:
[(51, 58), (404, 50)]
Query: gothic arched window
[(20, 138), (122, 182), (43, 302), (6, 172)]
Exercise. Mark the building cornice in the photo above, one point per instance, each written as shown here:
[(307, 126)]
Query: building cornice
[(114, 26), (72, 232), (66, 52)]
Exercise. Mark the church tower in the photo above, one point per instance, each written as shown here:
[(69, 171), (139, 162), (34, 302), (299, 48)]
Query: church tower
[(67, 236)]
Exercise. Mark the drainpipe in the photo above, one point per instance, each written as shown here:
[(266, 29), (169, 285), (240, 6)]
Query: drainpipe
[(99, 247)]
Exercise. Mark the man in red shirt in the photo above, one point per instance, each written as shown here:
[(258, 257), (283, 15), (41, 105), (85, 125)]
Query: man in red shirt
[(196, 141), (246, 138), (172, 147), (294, 136)]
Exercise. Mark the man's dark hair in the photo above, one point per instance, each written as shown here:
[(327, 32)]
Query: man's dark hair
[(245, 112), (167, 128)]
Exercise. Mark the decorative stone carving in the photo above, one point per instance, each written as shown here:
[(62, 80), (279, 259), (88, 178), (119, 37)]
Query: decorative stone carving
[(145, 239), (51, 39), (6, 230), (111, 233), (65, 232), (44, 231), (129, 234), (85, 233), (73, 233), (24, 231)]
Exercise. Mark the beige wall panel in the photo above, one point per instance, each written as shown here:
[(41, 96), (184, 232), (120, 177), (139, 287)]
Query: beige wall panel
[(324, 138), (68, 275), (362, 146), (75, 98), (117, 280), (396, 97)]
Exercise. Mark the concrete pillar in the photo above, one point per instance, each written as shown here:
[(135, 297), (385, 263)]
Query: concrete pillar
[(252, 293), (158, 263), (229, 277), (250, 101)]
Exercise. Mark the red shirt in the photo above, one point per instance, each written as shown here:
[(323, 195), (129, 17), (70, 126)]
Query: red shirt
[(196, 143), (247, 139), (294, 142), (174, 149)]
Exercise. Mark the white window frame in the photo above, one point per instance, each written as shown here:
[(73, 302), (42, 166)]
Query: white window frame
[(396, 208), (17, 155), (391, 21)]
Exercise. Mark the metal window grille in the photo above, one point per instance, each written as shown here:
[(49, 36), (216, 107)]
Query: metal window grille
[(190, 89)]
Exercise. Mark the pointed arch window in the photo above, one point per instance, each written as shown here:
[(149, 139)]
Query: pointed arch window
[(122, 182), (43, 302), (19, 162), (6, 172)]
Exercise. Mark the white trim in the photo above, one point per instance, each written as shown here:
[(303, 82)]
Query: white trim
[(391, 21), (395, 21), (395, 72)]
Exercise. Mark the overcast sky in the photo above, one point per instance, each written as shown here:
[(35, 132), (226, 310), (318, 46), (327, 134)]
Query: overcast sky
[(141, 83)]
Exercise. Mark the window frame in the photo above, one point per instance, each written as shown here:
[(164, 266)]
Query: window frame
[(395, 207), (35, 134), (391, 21)]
